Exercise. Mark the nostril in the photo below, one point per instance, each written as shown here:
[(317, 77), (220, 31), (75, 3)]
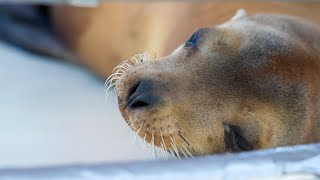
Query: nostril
[(140, 95), (142, 100), (133, 89), (138, 104)]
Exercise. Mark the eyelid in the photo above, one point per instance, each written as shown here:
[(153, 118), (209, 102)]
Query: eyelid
[(193, 40), (234, 139)]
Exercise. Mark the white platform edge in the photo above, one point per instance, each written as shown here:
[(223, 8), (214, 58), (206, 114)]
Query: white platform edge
[(296, 162)]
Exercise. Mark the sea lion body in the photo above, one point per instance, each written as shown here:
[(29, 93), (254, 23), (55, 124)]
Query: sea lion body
[(250, 83), (104, 36)]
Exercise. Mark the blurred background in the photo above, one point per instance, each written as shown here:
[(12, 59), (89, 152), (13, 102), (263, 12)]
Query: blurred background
[(54, 60)]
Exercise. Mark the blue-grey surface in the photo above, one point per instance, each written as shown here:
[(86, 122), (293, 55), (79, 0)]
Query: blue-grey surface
[(54, 113), (299, 162)]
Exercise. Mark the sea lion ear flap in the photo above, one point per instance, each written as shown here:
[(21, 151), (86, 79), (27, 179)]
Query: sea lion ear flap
[(240, 13), (234, 139)]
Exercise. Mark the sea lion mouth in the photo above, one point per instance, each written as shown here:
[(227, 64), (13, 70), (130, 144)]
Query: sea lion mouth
[(170, 139)]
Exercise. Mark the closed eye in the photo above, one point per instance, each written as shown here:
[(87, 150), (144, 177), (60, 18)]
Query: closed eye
[(234, 140), (193, 40)]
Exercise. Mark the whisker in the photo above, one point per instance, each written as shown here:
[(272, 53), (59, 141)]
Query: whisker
[(141, 57), (147, 56), (120, 71), (172, 153), (117, 67), (175, 149), (162, 150), (153, 148), (130, 126), (187, 150), (155, 55), (184, 139), (122, 65), (134, 58), (110, 79), (112, 82), (109, 87), (173, 143), (165, 148), (125, 63), (123, 68), (144, 140), (108, 95), (182, 151), (132, 64), (137, 133), (140, 147), (113, 74)]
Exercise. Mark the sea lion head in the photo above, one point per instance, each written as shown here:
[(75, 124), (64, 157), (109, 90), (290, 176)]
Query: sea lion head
[(234, 87)]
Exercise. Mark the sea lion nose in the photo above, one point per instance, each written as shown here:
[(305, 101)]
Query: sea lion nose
[(141, 95)]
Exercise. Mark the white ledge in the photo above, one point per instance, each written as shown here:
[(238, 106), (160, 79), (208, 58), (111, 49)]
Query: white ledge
[(296, 162)]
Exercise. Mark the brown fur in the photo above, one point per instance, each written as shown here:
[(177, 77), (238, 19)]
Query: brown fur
[(264, 83), (259, 73), (104, 36)]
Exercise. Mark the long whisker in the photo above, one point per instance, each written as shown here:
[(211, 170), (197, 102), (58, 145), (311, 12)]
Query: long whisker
[(182, 151), (111, 78), (173, 143), (164, 144), (144, 141), (107, 96), (123, 68), (153, 148), (134, 58), (184, 140), (112, 85), (114, 74), (110, 82), (122, 65), (137, 133), (140, 57), (155, 55), (118, 71), (175, 149), (147, 56), (187, 150), (162, 150), (172, 153)]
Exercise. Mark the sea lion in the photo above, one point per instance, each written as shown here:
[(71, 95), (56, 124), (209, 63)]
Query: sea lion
[(250, 83), (103, 36)]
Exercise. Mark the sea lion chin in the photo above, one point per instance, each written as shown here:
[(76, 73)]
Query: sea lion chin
[(250, 83)]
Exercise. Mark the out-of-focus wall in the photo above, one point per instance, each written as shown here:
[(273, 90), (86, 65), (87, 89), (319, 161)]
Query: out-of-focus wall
[(53, 113)]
